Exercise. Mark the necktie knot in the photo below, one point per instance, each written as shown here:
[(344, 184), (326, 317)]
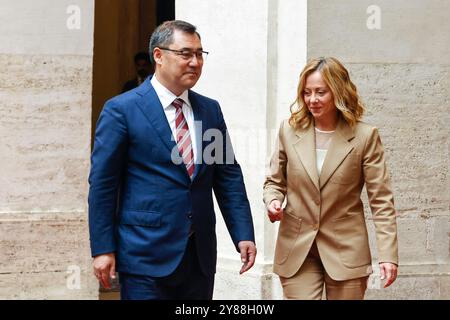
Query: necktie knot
[(178, 103)]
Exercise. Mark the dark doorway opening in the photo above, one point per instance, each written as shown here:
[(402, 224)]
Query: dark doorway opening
[(165, 10), (121, 29)]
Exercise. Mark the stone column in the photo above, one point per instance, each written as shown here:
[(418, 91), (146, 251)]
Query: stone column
[(45, 108), (257, 49)]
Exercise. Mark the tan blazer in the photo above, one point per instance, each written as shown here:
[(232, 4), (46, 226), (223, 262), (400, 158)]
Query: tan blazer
[(328, 208)]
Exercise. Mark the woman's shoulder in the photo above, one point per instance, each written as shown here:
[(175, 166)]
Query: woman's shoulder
[(285, 124), (366, 132), (364, 128), (287, 128)]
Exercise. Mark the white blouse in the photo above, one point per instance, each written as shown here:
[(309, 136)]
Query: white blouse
[(323, 139)]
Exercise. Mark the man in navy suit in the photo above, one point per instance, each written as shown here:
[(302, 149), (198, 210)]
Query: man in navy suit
[(159, 152)]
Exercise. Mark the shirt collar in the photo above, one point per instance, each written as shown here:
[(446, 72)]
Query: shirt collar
[(166, 97)]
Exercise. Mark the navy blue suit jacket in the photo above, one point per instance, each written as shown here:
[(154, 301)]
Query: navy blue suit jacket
[(142, 204)]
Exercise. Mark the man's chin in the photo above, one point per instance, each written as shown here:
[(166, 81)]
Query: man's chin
[(190, 82)]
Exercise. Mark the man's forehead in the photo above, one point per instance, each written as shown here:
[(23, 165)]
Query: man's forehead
[(184, 38)]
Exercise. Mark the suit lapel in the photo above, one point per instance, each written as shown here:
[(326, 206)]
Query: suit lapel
[(305, 148), (200, 123), (153, 111), (340, 147)]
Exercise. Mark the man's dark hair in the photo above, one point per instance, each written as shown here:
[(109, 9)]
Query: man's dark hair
[(163, 34), (141, 56)]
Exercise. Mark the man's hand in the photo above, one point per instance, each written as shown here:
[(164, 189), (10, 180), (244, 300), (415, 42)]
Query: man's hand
[(248, 255), (104, 268), (388, 270), (274, 211)]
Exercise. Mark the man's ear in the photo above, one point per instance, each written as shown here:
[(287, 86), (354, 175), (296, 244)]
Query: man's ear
[(157, 55)]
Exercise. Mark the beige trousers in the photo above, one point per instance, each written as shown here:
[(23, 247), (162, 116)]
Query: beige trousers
[(311, 279)]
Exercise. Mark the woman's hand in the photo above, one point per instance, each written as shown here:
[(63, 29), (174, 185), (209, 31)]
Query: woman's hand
[(274, 211), (388, 271)]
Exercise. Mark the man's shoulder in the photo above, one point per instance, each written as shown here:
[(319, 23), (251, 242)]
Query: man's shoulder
[(125, 99)]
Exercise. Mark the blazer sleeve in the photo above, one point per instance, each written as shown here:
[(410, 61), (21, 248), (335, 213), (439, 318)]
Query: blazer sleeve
[(275, 183), (229, 189), (380, 197), (107, 164)]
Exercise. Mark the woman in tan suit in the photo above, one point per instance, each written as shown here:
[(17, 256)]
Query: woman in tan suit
[(324, 156)]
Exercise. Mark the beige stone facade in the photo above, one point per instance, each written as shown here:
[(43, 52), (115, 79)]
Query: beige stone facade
[(258, 48), (45, 123)]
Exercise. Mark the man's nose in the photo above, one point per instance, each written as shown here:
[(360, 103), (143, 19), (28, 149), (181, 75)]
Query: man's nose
[(194, 60)]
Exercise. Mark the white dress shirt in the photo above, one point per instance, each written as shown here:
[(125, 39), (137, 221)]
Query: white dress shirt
[(166, 97)]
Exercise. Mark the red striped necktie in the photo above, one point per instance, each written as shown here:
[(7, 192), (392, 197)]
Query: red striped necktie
[(184, 143)]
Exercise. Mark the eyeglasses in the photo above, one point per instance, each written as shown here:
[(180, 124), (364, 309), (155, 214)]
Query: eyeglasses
[(188, 54)]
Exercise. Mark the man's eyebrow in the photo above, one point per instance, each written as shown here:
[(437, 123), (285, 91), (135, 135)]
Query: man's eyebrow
[(187, 48)]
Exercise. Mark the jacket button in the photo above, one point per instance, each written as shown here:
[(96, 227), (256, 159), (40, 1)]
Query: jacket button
[(189, 215), (317, 201), (315, 226)]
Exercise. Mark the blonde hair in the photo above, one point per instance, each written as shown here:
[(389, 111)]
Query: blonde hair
[(345, 95)]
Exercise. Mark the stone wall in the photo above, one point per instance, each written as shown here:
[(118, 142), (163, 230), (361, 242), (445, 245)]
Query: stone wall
[(45, 112)]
